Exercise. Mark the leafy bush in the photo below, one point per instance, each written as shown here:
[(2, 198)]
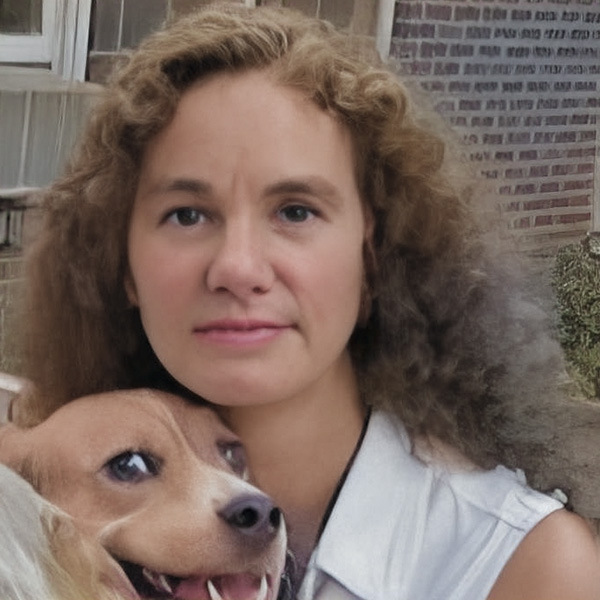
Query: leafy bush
[(576, 282)]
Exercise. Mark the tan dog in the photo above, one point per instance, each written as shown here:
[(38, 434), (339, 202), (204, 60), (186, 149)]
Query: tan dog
[(159, 483)]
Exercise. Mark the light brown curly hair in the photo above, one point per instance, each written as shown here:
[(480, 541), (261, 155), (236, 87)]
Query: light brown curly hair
[(446, 340)]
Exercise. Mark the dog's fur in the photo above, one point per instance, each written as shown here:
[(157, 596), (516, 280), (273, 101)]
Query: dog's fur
[(158, 482), (44, 557)]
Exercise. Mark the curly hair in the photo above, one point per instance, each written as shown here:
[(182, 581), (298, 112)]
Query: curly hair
[(445, 340)]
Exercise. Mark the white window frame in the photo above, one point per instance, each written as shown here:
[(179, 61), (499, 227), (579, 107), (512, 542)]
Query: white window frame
[(385, 24), (62, 44)]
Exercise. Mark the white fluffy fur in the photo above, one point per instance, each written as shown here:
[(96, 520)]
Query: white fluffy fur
[(42, 556)]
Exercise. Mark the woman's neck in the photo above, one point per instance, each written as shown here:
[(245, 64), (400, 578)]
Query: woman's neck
[(298, 449)]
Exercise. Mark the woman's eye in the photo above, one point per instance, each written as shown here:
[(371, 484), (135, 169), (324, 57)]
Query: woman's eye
[(186, 216), (235, 456), (296, 213), (132, 467)]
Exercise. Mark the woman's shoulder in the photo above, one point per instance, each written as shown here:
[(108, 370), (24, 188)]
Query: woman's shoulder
[(558, 559)]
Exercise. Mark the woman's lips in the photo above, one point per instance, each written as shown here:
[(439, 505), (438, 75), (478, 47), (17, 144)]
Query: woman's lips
[(240, 333)]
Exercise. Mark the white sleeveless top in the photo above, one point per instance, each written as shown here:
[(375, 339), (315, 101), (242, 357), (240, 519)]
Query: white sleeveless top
[(402, 529)]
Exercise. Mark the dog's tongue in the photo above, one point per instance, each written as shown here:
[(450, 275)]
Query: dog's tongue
[(224, 587)]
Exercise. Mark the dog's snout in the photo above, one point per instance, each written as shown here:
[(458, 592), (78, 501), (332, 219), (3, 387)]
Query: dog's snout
[(253, 515)]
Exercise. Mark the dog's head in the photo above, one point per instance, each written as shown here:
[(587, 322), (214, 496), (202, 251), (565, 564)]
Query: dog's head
[(159, 482)]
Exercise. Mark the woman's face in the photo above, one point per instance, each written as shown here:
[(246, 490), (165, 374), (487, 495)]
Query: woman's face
[(245, 243)]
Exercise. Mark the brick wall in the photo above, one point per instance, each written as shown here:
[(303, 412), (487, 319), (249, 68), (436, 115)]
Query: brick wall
[(519, 80)]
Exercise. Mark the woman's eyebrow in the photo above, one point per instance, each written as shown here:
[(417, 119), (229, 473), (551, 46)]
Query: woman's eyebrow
[(312, 185), (195, 186)]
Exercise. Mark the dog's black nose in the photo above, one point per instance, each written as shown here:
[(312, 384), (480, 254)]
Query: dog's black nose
[(253, 515)]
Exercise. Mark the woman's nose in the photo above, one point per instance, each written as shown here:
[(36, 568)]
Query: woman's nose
[(240, 264)]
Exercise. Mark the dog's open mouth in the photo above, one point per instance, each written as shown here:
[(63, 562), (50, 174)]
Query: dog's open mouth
[(151, 585)]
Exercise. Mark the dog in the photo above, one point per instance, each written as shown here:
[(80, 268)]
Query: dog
[(161, 485)]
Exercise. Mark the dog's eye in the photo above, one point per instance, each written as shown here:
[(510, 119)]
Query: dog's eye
[(132, 467), (235, 455)]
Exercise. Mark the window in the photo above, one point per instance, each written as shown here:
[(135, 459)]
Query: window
[(25, 30), (47, 34)]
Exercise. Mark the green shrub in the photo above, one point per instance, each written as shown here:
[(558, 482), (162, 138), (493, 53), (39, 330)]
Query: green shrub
[(576, 283)]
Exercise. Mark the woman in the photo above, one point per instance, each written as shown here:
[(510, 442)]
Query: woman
[(260, 217)]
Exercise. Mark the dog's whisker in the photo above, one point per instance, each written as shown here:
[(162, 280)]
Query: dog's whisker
[(212, 591)]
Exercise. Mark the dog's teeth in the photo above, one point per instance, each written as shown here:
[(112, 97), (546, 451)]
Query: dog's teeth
[(212, 591), (158, 580), (148, 575), (164, 584), (264, 589)]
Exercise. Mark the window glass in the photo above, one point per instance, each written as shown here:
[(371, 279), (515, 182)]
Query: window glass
[(21, 17)]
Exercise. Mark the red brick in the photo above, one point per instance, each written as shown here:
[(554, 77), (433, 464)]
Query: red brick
[(541, 221), (586, 136), (532, 121), (521, 137), (460, 86), (434, 86), (404, 50), (520, 15), (408, 10), (563, 169), (478, 33), (469, 105), (579, 119), (493, 139), (525, 188), (549, 187), (407, 30), (450, 32), (528, 155), (565, 136), (446, 68), (430, 50), (482, 121), (556, 120), (578, 218), (536, 205), (580, 201), (466, 13), (551, 153), (458, 121), (417, 68), (494, 14), (438, 12), (585, 168), (578, 185), (461, 50)]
